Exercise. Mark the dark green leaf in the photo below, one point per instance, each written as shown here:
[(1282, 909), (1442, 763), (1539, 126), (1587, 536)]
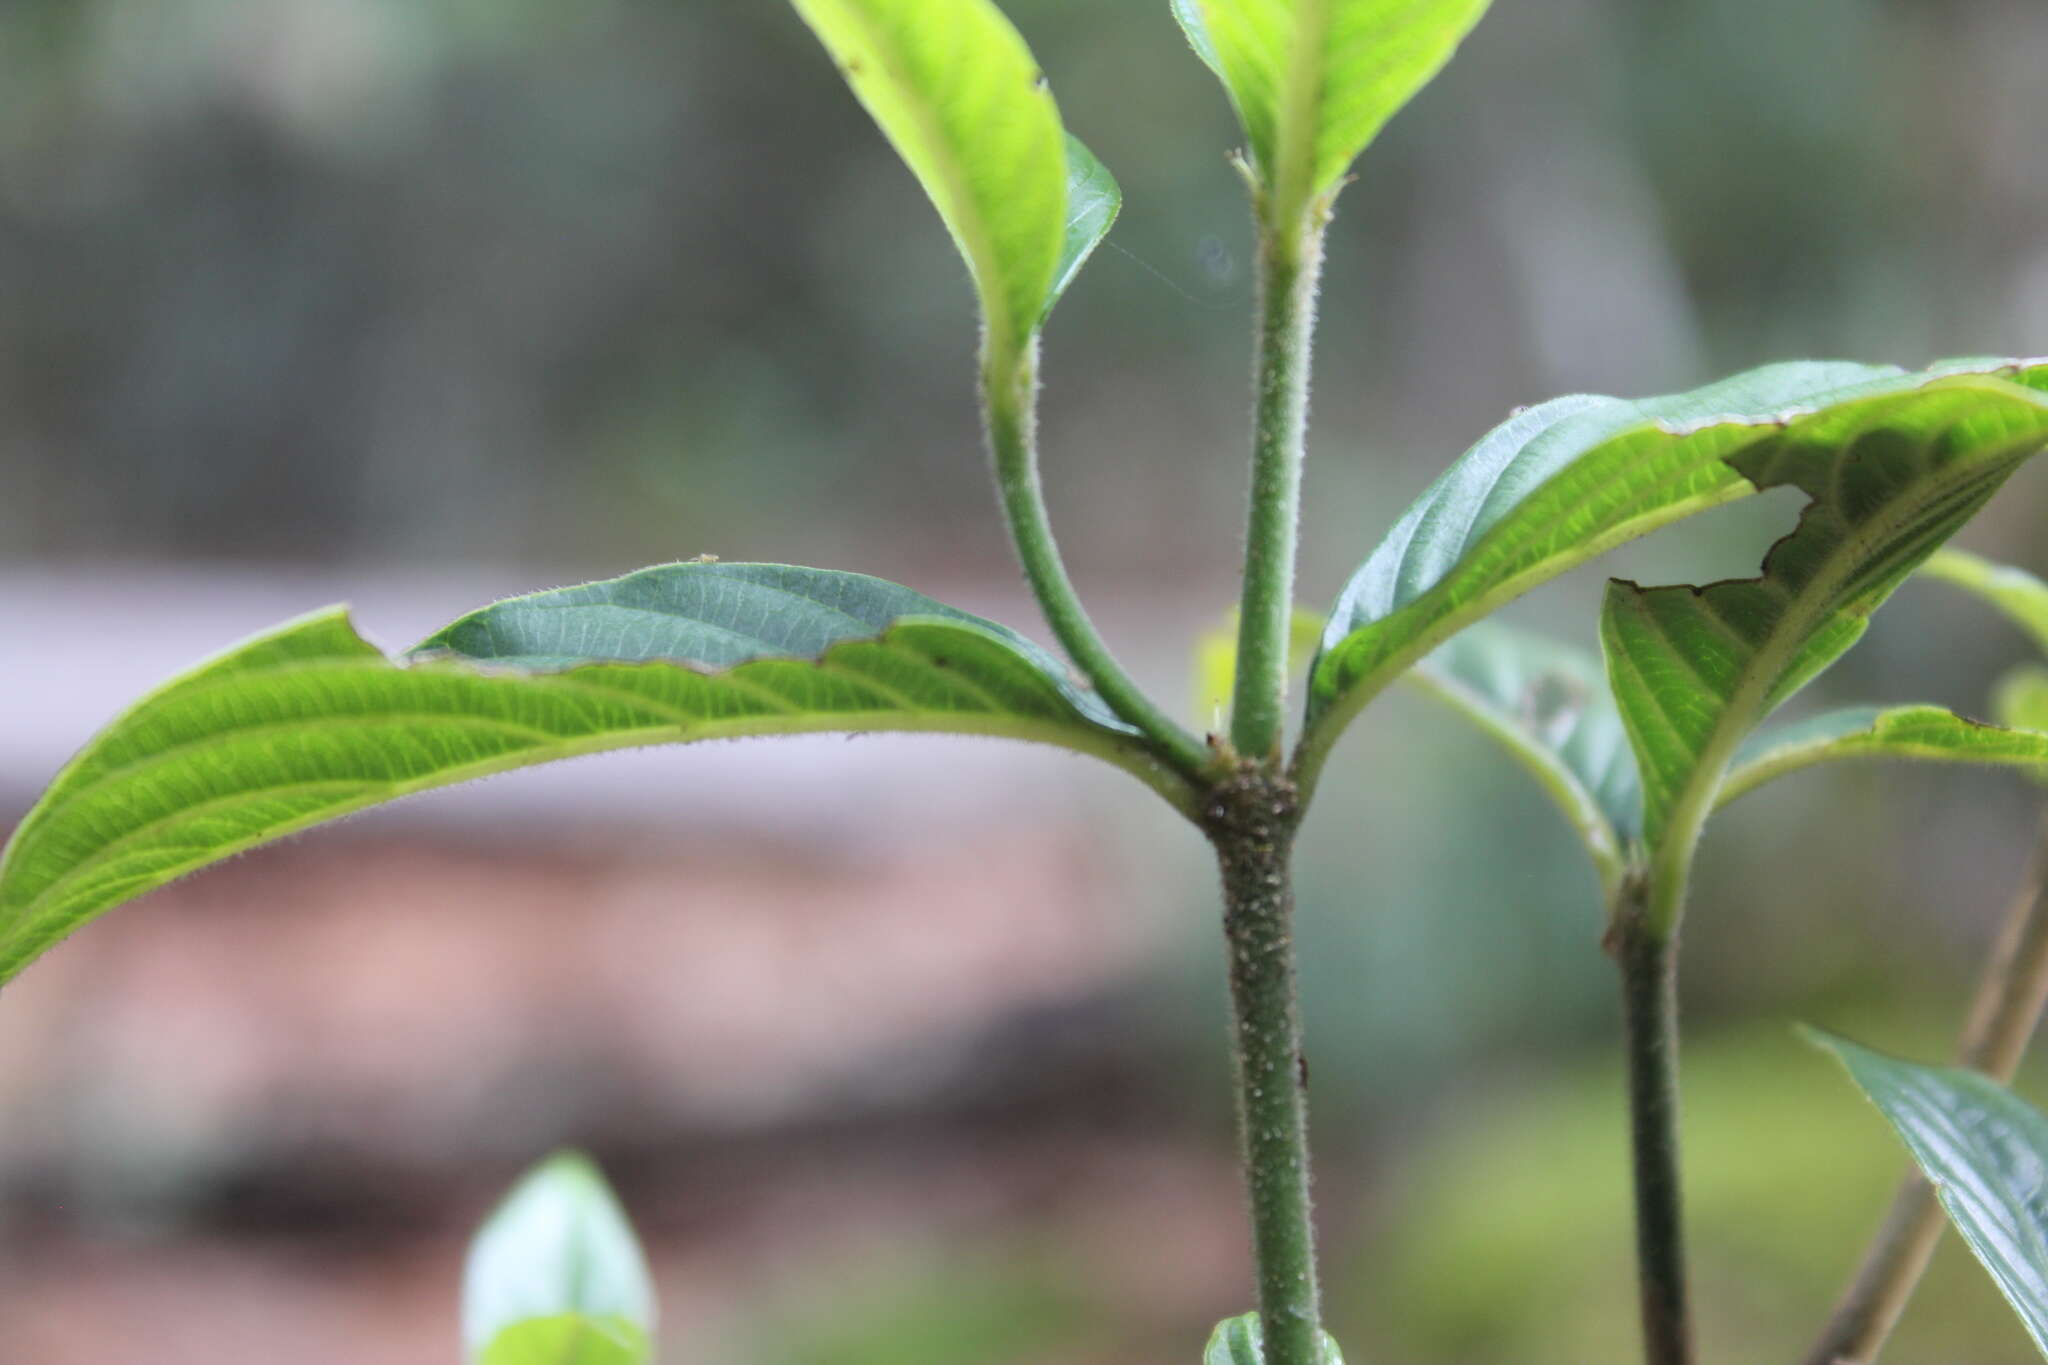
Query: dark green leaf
[(1548, 489), (1547, 704), (1242, 1341), (958, 93), (1928, 733), (1314, 81), (1890, 476), (311, 721), (555, 1276), (1986, 1153)]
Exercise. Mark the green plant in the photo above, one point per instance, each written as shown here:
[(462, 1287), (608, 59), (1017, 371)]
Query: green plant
[(311, 721)]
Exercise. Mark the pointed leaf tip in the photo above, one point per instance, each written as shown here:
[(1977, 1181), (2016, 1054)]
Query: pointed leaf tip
[(555, 1275), (1984, 1150)]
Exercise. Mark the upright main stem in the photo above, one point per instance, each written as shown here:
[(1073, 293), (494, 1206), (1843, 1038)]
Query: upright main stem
[(2002, 1019), (1251, 819), (1649, 994), (1291, 257)]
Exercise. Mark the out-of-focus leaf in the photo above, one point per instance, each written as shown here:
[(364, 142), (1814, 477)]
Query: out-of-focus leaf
[(1928, 733), (1242, 1341), (1216, 664), (2017, 593), (311, 721), (1548, 489), (556, 1277), (1314, 81), (957, 92), (1986, 1153), (1548, 705), (2021, 699)]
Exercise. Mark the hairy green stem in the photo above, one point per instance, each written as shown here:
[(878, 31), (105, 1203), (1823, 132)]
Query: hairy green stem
[(1649, 993), (1010, 413), (1252, 819), (2010, 996), (1290, 263)]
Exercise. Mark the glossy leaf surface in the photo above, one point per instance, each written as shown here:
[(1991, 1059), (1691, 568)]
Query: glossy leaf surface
[(1314, 81), (1986, 1153), (1241, 1341), (556, 1277), (1890, 477), (1548, 705), (954, 88), (1926, 733), (1547, 490), (311, 721)]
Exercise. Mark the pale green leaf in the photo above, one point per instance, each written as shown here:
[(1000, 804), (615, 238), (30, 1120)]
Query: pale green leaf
[(1548, 705), (1926, 733), (1242, 1341), (1093, 200), (1986, 1153), (2021, 699), (1548, 489), (556, 1277), (953, 86), (310, 721), (568, 1339), (1216, 663), (1890, 477), (1314, 81), (2017, 593)]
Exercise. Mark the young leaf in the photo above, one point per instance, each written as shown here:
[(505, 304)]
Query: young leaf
[(1314, 81), (2017, 593), (1985, 1151), (1928, 733), (1242, 1341), (555, 1276), (1216, 663), (1694, 669), (954, 88), (310, 721), (1548, 705)]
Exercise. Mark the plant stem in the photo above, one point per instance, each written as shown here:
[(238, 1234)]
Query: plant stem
[(1010, 414), (1649, 996), (2007, 1008), (1290, 263), (1252, 819)]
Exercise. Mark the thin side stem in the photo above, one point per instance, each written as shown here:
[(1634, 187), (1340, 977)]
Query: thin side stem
[(1290, 264), (1252, 821), (1010, 412), (2003, 1017), (1649, 995)]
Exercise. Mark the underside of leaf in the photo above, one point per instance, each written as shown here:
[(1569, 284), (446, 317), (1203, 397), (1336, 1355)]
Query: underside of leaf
[(311, 721), (1930, 734)]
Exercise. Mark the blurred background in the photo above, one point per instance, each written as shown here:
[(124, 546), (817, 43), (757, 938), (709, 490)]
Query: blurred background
[(912, 1050)]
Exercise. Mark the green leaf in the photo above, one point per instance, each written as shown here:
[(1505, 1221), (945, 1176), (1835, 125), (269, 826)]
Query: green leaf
[(1547, 490), (555, 1276), (310, 721), (2017, 593), (2021, 699), (1694, 669), (1929, 733), (1093, 201), (1548, 705), (1985, 1151), (1314, 81), (1216, 663), (1242, 1341), (954, 88)]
